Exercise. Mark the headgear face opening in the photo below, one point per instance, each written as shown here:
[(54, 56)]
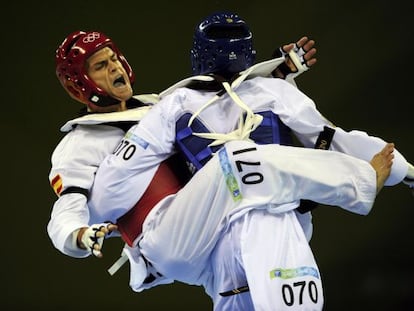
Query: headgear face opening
[(71, 57), (222, 45)]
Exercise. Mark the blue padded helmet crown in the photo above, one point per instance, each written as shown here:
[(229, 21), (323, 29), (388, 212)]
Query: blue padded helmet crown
[(222, 45)]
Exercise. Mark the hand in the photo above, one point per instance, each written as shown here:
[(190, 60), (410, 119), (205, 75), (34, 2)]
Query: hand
[(300, 56), (92, 237)]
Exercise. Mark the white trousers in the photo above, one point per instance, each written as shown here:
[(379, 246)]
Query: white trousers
[(269, 253), (180, 234)]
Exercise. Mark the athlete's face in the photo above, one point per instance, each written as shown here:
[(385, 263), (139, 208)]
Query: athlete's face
[(104, 68)]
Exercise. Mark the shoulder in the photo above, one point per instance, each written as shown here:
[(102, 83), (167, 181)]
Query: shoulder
[(267, 84), (134, 114), (175, 101), (90, 136), (89, 143)]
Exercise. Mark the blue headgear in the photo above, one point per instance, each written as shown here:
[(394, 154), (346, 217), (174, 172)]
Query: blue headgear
[(222, 45)]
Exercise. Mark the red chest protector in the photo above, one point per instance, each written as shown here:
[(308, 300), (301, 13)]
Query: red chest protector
[(170, 177)]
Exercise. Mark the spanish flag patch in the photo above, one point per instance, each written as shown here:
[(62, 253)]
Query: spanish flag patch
[(56, 184)]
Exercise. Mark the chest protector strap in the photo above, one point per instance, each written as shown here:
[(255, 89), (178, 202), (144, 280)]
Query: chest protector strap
[(272, 131), (197, 150)]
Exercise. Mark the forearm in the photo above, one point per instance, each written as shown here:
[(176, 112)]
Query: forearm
[(69, 214)]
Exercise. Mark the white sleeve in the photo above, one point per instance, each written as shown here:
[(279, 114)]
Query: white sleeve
[(74, 163), (123, 176), (295, 110), (70, 212), (299, 113)]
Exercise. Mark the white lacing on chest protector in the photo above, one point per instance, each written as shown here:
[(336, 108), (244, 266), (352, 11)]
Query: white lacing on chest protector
[(246, 124)]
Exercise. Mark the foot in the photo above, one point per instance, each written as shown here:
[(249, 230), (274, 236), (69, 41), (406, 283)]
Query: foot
[(382, 162)]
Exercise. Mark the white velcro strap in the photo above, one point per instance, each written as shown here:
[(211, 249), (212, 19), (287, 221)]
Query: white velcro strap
[(245, 127), (296, 61), (118, 264)]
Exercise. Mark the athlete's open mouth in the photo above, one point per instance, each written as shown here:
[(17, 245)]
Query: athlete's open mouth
[(119, 81)]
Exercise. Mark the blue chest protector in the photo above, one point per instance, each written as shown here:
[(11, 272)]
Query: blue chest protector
[(197, 152)]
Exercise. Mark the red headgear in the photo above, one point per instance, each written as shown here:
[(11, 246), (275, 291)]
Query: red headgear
[(71, 57)]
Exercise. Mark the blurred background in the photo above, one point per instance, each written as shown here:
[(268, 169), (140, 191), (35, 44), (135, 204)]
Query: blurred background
[(362, 81)]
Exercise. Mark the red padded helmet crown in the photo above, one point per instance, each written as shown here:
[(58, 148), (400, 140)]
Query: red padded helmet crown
[(71, 58)]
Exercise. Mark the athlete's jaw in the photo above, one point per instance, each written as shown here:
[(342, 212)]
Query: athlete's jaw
[(120, 87)]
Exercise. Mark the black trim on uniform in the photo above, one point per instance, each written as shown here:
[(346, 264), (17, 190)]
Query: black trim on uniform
[(323, 142), (123, 125), (235, 291), (306, 206), (325, 138), (151, 277), (130, 103), (216, 85), (80, 190), (213, 86), (135, 103)]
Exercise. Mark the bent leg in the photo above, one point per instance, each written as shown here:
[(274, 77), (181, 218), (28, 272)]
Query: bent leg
[(182, 230), (179, 235), (281, 174)]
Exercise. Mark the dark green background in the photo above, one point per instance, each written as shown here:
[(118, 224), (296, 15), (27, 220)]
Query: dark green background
[(363, 80)]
